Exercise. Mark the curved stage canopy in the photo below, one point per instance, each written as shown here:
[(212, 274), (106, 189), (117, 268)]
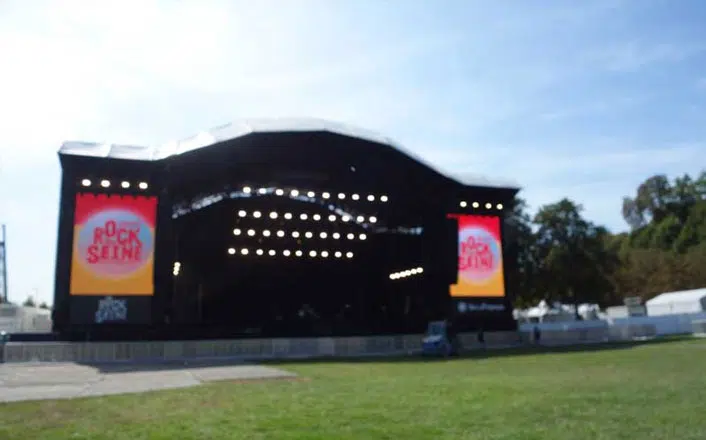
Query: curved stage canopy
[(275, 227)]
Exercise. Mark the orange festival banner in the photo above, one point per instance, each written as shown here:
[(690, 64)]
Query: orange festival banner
[(113, 245), (480, 259)]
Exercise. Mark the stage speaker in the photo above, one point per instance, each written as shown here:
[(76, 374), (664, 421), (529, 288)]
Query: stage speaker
[(440, 249)]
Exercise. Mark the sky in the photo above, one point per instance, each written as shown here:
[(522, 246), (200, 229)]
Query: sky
[(579, 99)]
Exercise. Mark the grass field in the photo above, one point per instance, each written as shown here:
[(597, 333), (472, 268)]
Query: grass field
[(650, 391)]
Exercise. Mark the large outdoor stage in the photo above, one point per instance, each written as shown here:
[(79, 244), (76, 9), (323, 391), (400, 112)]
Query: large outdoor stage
[(272, 229)]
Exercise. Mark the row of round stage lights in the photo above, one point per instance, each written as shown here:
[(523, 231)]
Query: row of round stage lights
[(177, 268), (297, 234), (316, 217), (406, 273), (476, 205), (312, 194), (297, 253), (107, 183)]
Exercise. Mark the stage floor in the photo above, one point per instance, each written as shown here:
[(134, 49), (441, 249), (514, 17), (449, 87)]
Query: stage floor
[(40, 381)]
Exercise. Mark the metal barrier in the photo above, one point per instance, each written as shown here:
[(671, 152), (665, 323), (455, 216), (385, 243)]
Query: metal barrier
[(699, 327)]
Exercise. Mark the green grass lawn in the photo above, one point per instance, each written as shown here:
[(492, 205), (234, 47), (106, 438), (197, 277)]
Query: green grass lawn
[(651, 391)]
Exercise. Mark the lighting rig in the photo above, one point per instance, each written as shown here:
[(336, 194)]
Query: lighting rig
[(107, 184)]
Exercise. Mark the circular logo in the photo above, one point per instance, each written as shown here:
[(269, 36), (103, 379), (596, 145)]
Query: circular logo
[(115, 243), (479, 254)]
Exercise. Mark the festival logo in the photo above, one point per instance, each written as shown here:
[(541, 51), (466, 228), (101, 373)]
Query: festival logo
[(478, 255), (113, 245), (480, 261)]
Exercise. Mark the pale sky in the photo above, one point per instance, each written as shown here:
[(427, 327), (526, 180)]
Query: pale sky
[(582, 99)]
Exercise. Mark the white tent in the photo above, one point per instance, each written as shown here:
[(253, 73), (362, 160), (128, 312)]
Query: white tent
[(674, 303)]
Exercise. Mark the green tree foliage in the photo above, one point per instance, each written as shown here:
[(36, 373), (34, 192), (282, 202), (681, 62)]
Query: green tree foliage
[(563, 256)]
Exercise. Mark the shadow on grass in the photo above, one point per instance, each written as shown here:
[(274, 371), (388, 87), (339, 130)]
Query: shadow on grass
[(533, 350)]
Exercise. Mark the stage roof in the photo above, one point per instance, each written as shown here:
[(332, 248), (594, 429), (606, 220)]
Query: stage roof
[(247, 127)]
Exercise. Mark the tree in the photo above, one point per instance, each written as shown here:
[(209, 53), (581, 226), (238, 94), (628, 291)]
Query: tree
[(520, 249), (574, 263), (29, 302), (44, 306)]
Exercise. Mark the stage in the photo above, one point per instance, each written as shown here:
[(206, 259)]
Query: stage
[(275, 229)]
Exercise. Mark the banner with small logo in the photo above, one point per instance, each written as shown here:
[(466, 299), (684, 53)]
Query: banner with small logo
[(480, 259), (113, 245)]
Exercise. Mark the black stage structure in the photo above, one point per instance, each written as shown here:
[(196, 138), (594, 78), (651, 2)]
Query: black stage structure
[(265, 228)]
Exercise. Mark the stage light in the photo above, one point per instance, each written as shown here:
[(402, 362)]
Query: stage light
[(324, 254), (279, 192), (336, 235), (373, 219), (125, 184), (323, 235), (272, 252), (463, 204), (105, 183), (286, 253), (488, 205), (280, 234), (262, 191), (288, 215), (476, 204), (420, 269), (242, 213), (237, 231), (298, 253), (259, 252), (303, 216), (308, 234), (247, 189), (345, 218), (311, 194), (273, 215), (341, 196), (244, 251), (360, 219), (266, 233), (312, 253), (332, 218), (294, 193), (86, 182), (355, 197), (142, 185), (350, 236), (317, 217), (338, 254), (393, 276), (499, 206), (349, 254), (326, 195), (371, 198), (231, 251), (295, 234), (257, 214), (362, 236), (251, 232), (177, 268), (383, 198)]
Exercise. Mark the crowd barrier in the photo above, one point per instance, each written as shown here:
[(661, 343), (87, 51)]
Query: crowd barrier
[(261, 349)]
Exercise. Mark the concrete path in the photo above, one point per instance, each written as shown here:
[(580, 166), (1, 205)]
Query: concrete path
[(65, 381)]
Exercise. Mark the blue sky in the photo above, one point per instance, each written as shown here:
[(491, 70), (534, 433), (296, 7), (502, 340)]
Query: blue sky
[(571, 98)]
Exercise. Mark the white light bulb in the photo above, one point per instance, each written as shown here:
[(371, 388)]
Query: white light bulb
[(332, 218), (341, 196), (311, 194), (295, 234), (259, 252), (323, 235), (488, 206), (362, 236), (294, 193), (286, 253), (266, 233), (338, 254), (350, 236), (324, 254), (499, 206), (251, 232), (371, 198), (355, 197), (244, 251), (125, 184), (86, 182), (349, 254), (463, 204), (303, 216), (280, 234), (242, 213), (272, 252), (326, 195), (360, 219), (237, 231), (257, 214), (336, 235), (247, 189), (262, 190), (231, 251), (476, 204), (308, 234), (279, 192), (105, 183), (345, 219), (317, 217), (383, 198), (288, 215), (298, 253), (373, 219), (312, 253), (273, 215)]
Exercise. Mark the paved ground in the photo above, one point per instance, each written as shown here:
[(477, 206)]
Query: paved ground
[(64, 381)]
